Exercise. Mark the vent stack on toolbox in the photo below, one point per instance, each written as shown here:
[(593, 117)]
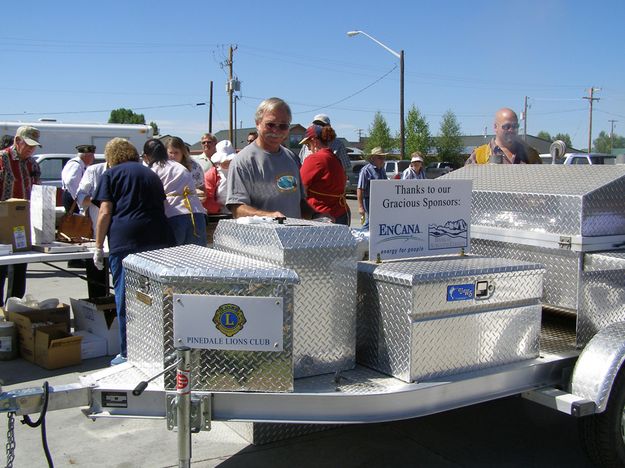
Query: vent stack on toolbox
[(324, 257), (569, 218), (152, 278), (438, 316)]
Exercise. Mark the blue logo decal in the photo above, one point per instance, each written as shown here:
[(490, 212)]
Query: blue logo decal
[(229, 319), (287, 183), (460, 292)]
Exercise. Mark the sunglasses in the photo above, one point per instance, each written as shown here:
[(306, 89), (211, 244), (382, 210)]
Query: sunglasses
[(510, 126), (274, 126), (207, 142)]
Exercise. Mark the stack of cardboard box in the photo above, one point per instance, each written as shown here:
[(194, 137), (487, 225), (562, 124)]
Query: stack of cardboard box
[(45, 339)]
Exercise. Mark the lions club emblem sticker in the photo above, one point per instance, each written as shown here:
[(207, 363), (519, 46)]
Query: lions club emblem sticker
[(229, 319)]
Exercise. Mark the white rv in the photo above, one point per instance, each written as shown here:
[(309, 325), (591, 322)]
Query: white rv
[(57, 137)]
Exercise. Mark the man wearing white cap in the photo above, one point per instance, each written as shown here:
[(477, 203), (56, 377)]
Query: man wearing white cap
[(18, 173), (337, 146), (72, 173), (415, 170), (215, 179)]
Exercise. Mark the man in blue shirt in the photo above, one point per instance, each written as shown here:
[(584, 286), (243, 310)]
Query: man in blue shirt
[(373, 170)]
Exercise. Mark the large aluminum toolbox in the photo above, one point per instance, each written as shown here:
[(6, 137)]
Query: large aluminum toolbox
[(324, 257), (152, 278), (418, 320), (556, 215)]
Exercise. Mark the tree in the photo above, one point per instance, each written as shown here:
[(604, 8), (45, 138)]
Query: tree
[(449, 143), (126, 116), (603, 143), (155, 128), (418, 136), (379, 134), (544, 135), (565, 137)]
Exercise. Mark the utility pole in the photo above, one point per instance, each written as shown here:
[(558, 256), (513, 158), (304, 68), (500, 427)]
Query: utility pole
[(230, 93), (525, 120), (591, 99), (612, 134), (210, 109), (359, 131), (234, 142)]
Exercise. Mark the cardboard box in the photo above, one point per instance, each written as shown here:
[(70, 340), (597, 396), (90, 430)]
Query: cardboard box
[(91, 346), (15, 224), (98, 316), (56, 348), (26, 323)]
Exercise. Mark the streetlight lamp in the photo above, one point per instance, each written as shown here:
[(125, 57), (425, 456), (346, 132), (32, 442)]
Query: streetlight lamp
[(400, 56)]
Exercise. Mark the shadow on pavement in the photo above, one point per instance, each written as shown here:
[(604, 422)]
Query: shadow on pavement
[(19, 370)]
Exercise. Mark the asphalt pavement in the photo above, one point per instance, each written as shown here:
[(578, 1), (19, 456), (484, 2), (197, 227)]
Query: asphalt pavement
[(509, 432)]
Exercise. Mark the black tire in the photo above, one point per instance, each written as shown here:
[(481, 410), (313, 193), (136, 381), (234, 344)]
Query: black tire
[(603, 435)]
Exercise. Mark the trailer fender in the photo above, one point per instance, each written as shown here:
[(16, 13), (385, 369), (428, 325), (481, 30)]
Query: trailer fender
[(598, 365)]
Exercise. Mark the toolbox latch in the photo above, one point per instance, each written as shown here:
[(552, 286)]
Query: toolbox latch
[(565, 242)]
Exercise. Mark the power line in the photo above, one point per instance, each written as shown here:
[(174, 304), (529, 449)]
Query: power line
[(351, 95)]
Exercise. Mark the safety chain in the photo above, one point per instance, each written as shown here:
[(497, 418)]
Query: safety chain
[(10, 446)]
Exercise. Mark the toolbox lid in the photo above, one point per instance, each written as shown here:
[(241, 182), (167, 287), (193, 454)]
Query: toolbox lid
[(428, 269), (568, 200), (293, 234), (193, 261)]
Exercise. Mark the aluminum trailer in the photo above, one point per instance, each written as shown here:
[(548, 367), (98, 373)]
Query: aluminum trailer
[(581, 377)]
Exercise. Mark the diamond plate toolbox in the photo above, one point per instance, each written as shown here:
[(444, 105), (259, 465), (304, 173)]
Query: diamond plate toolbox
[(566, 217), (152, 278), (324, 257), (433, 317)]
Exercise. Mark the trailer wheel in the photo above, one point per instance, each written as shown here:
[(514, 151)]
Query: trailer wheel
[(603, 435)]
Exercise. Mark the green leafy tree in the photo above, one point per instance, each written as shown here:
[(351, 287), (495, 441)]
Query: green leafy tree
[(155, 128), (544, 135), (379, 134), (449, 143), (126, 116), (603, 143), (418, 136), (565, 137)]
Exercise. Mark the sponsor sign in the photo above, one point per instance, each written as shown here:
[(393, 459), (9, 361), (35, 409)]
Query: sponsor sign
[(414, 218), (228, 322)]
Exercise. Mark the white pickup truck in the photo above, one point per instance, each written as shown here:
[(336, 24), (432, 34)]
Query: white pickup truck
[(580, 158)]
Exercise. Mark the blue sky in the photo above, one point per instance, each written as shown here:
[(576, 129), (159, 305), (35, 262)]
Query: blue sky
[(75, 61)]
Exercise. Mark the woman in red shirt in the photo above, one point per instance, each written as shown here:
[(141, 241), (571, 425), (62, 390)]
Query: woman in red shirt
[(323, 175)]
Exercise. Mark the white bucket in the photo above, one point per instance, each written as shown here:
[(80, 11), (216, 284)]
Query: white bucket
[(8, 341)]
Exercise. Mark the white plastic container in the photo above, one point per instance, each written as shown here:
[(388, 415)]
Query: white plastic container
[(8, 341)]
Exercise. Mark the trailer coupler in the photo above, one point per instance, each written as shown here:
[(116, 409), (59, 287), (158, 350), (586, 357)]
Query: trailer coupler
[(30, 400)]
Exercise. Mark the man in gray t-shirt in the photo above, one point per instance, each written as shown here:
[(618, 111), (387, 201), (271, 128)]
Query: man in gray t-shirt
[(264, 178)]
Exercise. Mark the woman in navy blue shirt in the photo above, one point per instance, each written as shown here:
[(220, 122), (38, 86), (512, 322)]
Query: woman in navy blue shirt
[(132, 214)]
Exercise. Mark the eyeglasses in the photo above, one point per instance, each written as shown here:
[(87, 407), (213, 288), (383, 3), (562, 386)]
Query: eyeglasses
[(207, 142), (514, 126), (274, 126)]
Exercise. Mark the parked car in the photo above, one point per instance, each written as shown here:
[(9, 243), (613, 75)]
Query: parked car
[(582, 158), (352, 177), (395, 168), (354, 154), (437, 169), (51, 166)]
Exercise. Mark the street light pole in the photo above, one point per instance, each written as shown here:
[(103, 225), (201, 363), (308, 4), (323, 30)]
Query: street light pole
[(402, 134), (400, 56)]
